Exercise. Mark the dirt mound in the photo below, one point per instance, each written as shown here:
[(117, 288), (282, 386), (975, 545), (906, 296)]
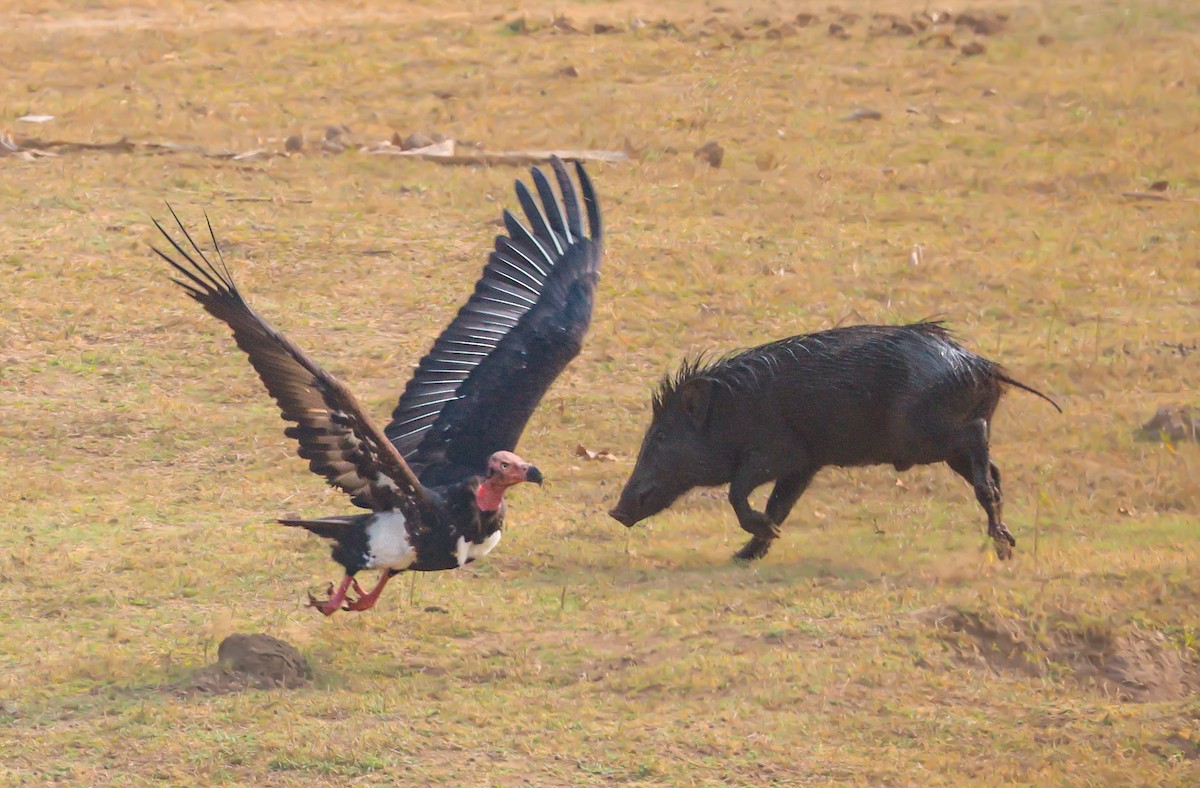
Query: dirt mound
[(251, 661), (1136, 666)]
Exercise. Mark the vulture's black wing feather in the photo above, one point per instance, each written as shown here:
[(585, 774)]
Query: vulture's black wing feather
[(335, 435), (475, 390)]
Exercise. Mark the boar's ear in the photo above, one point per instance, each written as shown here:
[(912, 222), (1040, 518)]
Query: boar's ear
[(696, 396)]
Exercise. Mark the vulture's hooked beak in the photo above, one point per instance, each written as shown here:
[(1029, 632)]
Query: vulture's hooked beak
[(532, 474)]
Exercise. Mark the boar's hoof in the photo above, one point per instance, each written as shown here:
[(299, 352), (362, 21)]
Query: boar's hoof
[(1004, 542), (755, 549), (760, 526)]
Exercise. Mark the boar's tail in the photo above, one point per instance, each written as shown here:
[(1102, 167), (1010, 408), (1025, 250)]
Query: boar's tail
[(1010, 381)]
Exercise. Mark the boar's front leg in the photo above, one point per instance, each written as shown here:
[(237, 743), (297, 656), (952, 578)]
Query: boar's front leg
[(746, 479), (788, 490)]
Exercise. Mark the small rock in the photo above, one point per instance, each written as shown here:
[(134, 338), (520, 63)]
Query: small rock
[(268, 660), (419, 139), (601, 28), (989, 92), (973, 48), (982, 24), (251, 661), (864, 113), (517, 26), (333, 131), (294, 143), (1159, 186), (783, 31), (1045, 40), (563, 25), (837, 31), (766, 162), (568, 71), (711, 153), (804, 20)]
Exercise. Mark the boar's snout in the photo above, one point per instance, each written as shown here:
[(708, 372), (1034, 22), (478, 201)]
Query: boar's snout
[(621, 517), (635, 504)]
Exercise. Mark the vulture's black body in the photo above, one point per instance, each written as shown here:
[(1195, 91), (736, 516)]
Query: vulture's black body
[(434, 479)]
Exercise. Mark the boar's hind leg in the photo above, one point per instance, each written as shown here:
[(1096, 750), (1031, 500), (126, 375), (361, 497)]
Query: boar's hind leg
[(973, 464), (788, 490)]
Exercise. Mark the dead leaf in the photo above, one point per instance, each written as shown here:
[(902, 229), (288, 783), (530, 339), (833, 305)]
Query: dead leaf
[(973, 48), (589, 454)]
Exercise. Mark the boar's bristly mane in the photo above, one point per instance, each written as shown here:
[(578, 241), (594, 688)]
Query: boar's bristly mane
[(841, 351)]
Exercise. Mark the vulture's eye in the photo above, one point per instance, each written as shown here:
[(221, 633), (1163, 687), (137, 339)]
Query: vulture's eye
[(504, 466)]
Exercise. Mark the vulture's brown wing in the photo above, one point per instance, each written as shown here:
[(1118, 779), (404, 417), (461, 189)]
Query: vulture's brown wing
[(335, 436)]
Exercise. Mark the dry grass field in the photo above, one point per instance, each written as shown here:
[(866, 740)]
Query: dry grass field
[(1013, 192)]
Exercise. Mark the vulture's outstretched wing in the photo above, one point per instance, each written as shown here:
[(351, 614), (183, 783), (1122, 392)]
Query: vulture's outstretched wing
[(335, 436), (475, 390)]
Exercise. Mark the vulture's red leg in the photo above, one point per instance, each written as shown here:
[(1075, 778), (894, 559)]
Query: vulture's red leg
[(334, 603), (367, 601)]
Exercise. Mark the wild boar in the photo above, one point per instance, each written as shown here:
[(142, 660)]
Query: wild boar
[(857, 395)]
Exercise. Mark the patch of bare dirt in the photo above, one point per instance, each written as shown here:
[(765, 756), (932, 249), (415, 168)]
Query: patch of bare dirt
[(1137, 666), (250, 662)]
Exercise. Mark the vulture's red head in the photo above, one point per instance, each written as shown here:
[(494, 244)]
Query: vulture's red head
[(504, 469)]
